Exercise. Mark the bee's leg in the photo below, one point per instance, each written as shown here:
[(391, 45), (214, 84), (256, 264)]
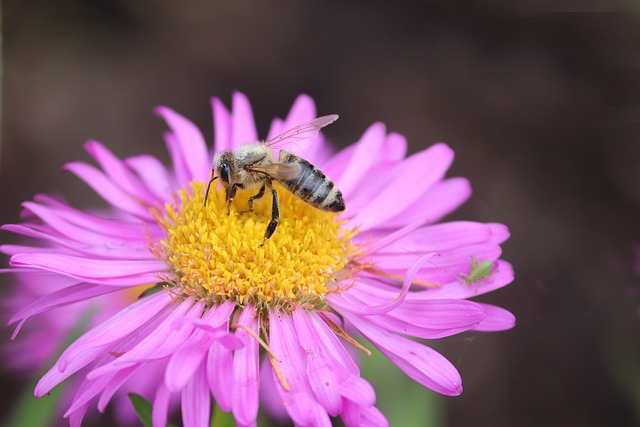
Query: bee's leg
[(275, 217), (232, 195), (257, 196)]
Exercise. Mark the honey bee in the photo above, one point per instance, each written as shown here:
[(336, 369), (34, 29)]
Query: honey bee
[(253, 166)]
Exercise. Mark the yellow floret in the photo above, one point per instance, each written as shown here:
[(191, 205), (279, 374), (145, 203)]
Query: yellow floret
[(217, 256)]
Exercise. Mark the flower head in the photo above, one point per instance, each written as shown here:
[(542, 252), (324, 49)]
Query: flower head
[(231, 308)]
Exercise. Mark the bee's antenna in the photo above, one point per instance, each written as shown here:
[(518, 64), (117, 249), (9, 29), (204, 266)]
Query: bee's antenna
[(206, 195)]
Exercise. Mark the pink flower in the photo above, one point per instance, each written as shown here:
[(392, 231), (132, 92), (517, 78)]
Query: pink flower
[(383, 268)]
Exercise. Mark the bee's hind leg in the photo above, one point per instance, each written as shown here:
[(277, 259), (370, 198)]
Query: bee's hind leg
[(275, 217), (256, 197)]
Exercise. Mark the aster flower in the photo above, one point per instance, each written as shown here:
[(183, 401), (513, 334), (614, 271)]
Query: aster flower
[(228, 311)]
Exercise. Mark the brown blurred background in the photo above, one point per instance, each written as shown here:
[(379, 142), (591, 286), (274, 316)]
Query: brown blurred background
[(540, 99)]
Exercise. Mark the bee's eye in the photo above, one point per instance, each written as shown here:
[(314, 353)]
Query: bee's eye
[(224, 172)]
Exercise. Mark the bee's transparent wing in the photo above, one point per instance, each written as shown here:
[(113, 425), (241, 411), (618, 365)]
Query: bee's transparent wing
[(301, 136), (279, 171)]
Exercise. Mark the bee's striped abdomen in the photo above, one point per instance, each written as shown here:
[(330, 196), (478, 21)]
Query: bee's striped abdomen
[(312, 185)]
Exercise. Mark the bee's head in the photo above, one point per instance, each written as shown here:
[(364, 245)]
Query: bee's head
[(222, 165)]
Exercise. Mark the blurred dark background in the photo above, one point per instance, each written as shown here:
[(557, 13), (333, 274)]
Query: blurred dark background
[(539, 99)]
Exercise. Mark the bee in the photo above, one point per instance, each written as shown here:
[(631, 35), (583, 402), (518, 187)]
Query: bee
[(479, 270), (252, 166)]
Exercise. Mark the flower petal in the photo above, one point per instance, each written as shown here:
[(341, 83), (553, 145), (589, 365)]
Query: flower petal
[(160, 406), (341, 302), (158, 343), (497, 319), (298, 400), (418, 361), (403, 190), (191, 147), (186, 359), (363, 158), (321, 369), (57, 299), (196, 400), (242, 123), (221, 126), (106, 189), (91, 345), (220, 375), (154, 175), (118, 172), (245, 371), (440, 200), (99, 271)]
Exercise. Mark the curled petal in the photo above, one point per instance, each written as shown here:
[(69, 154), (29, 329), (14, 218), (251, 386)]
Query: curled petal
[(341, 303)]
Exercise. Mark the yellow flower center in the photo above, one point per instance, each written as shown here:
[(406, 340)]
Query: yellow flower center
[(216, 256)]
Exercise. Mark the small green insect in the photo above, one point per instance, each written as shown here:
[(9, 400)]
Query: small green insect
[(479, 270)]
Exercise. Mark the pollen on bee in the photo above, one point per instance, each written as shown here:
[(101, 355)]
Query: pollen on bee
[(216, 256)]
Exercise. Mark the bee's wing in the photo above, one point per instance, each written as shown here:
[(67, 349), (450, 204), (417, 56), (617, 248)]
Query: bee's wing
[(301, 136), (279, 171)]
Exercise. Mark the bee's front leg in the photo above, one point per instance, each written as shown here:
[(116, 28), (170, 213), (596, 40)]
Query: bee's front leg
[(232, 195), (275, 217)]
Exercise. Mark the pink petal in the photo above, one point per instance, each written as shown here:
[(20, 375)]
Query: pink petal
[(499, 233), (245, 371), (440, 200), (99, 271), (75, 419), (445, 267), (269, 396), (186, 359), (157, 343), (91, 388), (196, 400), (117, 227), (242, 123), (363, 158), (403, 190), (190, 144), (114, 385), (110, 192), (221, 126), (57, 299), (220, 375), (418, 361), (90, 345), (160, 406), (497, 319), (104, 250), (341, 302), (355, 415), (322, 372), (440, 237), (448, 318), (154, 175), (118, 172), (179, 163), (457, 289), (302, 111), (85, 229), (359, 391), (298, 401)]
